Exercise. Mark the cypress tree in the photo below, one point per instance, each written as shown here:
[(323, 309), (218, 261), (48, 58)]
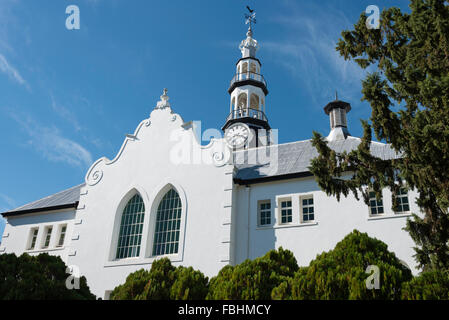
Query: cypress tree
[(409, 97)]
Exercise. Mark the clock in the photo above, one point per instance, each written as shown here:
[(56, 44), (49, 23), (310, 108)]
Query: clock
[(237, 135)]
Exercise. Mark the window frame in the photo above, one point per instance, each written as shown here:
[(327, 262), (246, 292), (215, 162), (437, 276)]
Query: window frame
[(48, 232), (151, 201), (259, 213), (301, 208), (370, 208), (167, 223), (401, 196), (62, 234), (280, 201), (33, 239), (131, 225)]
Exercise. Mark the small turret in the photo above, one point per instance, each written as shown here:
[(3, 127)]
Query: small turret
[(337, 111)]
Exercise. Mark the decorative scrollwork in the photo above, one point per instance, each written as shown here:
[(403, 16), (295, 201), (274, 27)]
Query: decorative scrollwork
[(219, 158), (95, 174)]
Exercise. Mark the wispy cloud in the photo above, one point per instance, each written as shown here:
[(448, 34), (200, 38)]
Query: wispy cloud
[(52, 145), (65, 113), (307, 50), (12, 72), (6, 203)]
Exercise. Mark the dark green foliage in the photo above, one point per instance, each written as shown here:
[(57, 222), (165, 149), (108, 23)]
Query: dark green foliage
[(41, 277), (340, 273), (189, 285), (133, 287), (432, 285), (253, 279), (409, 98), (163, 282)]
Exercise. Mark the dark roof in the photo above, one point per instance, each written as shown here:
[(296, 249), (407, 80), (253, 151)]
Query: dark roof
[(295, 158), (62, 200), (337, 104)]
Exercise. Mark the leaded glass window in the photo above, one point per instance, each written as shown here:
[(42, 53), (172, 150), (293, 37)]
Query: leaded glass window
[(131, 227), (168, 224)]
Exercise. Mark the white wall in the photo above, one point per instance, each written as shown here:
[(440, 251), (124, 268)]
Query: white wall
[(16, 236), (334, 220), (146, 165)]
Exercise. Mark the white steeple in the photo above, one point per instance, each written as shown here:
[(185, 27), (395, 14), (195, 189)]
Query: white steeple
[(248, 90), (249, 46)]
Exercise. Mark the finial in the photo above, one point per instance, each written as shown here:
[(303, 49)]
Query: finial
[(163, 103), (164, 96), (336, 95)]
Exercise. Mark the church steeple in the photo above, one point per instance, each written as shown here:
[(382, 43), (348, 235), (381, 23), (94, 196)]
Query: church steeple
[(248, 90)]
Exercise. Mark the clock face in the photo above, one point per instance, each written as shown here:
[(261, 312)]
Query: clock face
[(237, 135)]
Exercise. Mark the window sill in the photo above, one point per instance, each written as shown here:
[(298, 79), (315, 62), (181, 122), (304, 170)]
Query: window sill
[(44, 250), (291, 225), (140, 261), (390, 216)]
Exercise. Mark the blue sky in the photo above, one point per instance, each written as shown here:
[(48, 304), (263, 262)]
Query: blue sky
[(68, 97)]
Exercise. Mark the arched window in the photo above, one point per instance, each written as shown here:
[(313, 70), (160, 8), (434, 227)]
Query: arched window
[(253, 68), (241, 101), (254, 101), (168, 224), (245, 67), (131, 226)]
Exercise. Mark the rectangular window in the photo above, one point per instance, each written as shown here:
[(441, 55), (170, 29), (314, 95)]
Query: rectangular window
[(402, 200), (265, 213), (47, 237), (286, 211), (308, 213), (33, 238), (376, 206), (62, 236)]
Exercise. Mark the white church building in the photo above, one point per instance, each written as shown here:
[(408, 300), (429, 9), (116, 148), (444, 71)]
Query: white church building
[(166, 195)]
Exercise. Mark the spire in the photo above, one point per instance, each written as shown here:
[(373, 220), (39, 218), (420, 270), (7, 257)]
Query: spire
[(163, 103), (249, 46)]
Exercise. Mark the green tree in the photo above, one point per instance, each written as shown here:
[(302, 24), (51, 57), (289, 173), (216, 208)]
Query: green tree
[(409, 98), (41, 277), (163, 282), (340, 273), (253, 279), (432, 285)]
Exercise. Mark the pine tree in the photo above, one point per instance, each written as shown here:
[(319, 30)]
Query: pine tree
[(409, 98)]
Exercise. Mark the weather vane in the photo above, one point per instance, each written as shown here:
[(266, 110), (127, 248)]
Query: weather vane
[(251, 17)]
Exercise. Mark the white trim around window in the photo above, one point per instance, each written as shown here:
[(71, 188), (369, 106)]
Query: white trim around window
[(297, 210), (151, 203), (32, 239), (307, 209), (264, 214)]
